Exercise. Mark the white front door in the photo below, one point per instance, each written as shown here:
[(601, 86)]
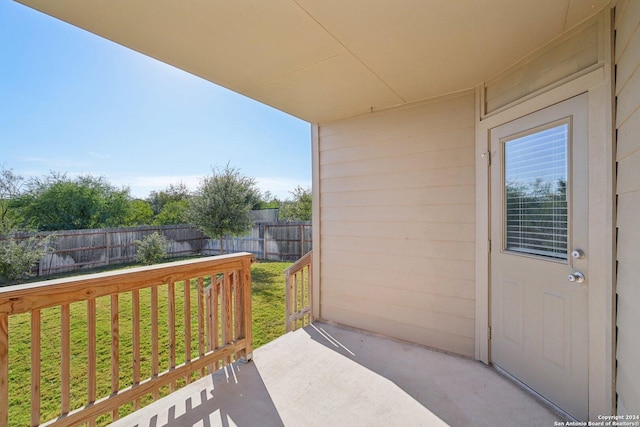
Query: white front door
[(539, 237)]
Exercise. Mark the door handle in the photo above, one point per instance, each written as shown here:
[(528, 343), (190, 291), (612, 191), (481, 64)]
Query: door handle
[(576, 277), (577, 254)]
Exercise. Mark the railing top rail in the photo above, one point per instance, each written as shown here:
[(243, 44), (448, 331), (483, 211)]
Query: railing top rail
[(306, 259), (37, 295)]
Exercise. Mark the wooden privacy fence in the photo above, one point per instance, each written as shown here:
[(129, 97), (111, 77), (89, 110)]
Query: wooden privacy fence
[(77, 249), (119, 338), (299, 293), (275, 241)]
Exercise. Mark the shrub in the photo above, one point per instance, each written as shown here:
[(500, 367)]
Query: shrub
[(18, 257), (151, 249)]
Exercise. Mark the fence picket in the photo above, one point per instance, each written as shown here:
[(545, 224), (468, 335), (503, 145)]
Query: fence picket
[(77, 249)]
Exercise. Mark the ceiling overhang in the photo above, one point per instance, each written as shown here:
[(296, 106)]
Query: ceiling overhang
[(323, 60)]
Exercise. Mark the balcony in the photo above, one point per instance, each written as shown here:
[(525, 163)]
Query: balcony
[(195, 317), (327, 375), (120, 339)]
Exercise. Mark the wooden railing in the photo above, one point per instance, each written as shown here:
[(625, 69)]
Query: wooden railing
[(105, 344), (299, 293)]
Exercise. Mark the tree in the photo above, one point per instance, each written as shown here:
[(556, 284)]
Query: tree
[(139, 213), (173, 193), (173, 212), (11, 187), (268, 201), (222, 204), (61, 203), (298, 209), (151, 248), (18, 257)]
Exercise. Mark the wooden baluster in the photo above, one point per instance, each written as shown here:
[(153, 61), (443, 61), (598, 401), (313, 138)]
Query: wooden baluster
[(187, 324), (172, 330), (306, 292), (135, 316), (35, 368), (310, 279), (238, 320), (301, 298), (210, 316), (65, 356), (4, 369), (201, 319), (296, 306), (91, 350), (115, 351), (215, 343), (245, 283), (287, 301), (227, 320), (154, 337)]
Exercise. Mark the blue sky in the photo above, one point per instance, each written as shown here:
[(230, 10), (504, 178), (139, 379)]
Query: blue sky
[(73, 102)]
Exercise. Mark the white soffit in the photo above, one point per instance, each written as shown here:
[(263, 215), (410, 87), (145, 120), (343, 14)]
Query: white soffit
[(323, 60)]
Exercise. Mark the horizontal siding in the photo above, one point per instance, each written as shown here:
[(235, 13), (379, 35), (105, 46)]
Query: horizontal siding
[(627, 100), (456, 232), (569, 57), (400, 330), (627, 136), (410, 144), (428, 267), (628, 210), (627, 21), (419, 195), (413, 213), (417, 161), (629, 173), (442, 313), (397, 221), (462, 176), (403, 280), (417, 248), (627, 64)]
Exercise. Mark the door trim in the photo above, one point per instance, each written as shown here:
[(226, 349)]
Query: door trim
[(601, 292)]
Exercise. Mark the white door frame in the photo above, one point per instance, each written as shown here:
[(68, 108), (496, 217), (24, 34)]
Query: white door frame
[(601, 289)]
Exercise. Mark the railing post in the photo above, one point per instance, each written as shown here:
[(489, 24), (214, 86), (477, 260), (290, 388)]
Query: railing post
[(294, 292), (287, 301), (4, 369), (247, 353)]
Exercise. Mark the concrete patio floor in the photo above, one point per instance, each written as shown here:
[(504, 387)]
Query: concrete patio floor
[(325, 375)]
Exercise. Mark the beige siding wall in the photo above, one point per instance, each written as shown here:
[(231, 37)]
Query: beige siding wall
[(628, 187), (550, 65), (397, 221)]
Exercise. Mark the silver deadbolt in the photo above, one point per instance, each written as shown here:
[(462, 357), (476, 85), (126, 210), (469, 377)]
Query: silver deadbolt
[(577, 254), (576, 277)]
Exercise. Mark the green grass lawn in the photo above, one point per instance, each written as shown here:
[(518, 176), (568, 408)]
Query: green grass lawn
[(268, 310)]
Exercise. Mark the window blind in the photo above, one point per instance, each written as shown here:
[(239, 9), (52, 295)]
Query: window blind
[(536, 193)]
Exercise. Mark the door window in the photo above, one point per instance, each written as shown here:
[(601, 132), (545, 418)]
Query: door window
[(535, 192)]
